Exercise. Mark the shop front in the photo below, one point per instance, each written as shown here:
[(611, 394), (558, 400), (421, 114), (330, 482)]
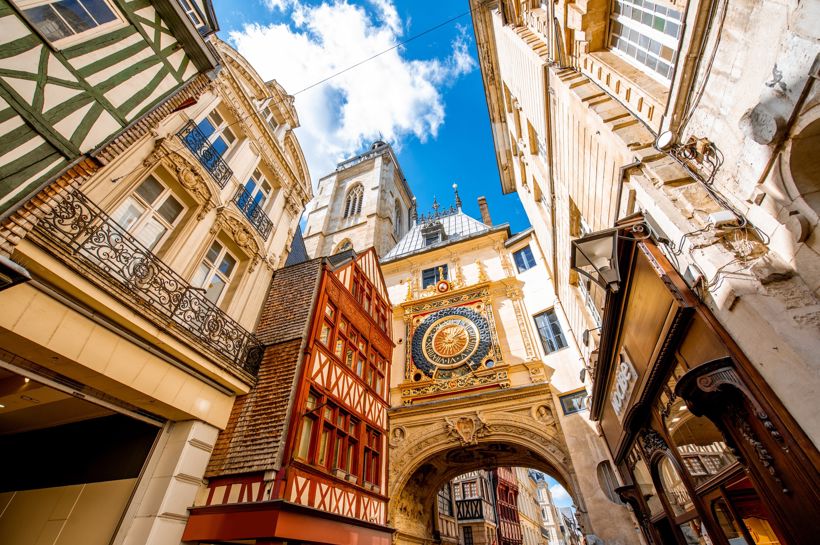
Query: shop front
[(707, 452)]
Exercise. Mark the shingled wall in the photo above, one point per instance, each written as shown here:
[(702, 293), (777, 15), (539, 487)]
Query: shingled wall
[(255, 435)]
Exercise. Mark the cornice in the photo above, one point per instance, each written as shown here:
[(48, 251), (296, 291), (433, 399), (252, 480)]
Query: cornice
[(489, 397), (231, 90)]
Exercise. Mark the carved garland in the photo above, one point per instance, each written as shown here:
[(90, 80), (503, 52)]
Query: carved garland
[(241, 235), (189, 174)]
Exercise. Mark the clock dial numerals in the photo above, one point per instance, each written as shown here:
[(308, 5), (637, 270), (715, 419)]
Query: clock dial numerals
[(450, 343)]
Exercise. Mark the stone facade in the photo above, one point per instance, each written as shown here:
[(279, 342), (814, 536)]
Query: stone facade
[(700, 123), (149, 273)]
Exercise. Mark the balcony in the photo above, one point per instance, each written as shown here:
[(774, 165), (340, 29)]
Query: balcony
[(208, 156), (96, 246), (254, 212), (474, 509)]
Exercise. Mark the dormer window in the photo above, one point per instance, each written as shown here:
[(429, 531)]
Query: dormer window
[(433, 233)]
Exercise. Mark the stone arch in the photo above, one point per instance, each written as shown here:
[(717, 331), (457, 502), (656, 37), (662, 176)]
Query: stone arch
[(430, 446)]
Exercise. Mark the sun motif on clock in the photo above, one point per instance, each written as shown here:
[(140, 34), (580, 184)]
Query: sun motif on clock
[(451, 343)]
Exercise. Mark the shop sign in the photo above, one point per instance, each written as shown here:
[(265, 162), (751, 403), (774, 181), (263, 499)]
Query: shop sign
[(625, 379)]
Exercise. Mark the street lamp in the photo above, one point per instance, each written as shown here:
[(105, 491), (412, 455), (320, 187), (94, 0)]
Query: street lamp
[(596, 257)]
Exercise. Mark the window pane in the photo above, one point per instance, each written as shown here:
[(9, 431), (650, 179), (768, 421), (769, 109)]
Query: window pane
[(216, 118), (227, 265), (304, 438), (702, 447), (170, 209), (200, 275), (150, 232), (214, 288), (673, 487), (220, 145), (128, 213), (150, 189), (207, 127), (213, 252), (46, 20), (74, 15), (100, 11), (228, 134)]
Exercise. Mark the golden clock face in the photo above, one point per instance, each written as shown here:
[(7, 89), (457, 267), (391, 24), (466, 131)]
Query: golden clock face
[(449, 341)]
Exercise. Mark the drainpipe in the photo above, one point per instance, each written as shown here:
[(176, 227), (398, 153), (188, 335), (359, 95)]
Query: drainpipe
[(550, 169)]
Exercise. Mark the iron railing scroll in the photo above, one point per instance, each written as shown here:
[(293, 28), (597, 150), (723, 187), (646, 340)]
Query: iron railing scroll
[(208, 156), (94, 243), (252, 210)]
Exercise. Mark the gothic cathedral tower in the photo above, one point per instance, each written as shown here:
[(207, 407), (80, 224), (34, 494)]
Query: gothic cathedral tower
[(365, 202)]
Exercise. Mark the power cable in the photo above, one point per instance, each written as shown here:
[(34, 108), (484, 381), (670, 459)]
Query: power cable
[(328, 78)]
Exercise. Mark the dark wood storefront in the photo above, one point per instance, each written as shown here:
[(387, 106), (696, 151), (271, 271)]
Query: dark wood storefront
[(708, 452)]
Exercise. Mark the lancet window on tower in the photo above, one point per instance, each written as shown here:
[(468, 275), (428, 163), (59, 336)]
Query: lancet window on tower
[(353, 201), (397, 220)]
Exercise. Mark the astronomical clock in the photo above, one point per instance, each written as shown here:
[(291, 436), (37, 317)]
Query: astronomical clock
[(451, 344)]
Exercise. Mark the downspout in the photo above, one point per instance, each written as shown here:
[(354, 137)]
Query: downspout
[(550, 167)]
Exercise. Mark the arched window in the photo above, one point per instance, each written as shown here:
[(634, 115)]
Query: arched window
[(353, 201), (397, 220)]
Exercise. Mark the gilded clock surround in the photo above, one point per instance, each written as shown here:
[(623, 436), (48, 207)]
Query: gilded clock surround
[(452, 344)]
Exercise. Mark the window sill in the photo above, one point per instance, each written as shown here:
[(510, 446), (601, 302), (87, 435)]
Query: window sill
[(640, 93)]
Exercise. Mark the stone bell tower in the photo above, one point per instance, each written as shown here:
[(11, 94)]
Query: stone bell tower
[(365, 202)]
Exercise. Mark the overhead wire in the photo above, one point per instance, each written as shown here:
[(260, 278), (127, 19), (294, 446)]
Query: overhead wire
[(289, 97)]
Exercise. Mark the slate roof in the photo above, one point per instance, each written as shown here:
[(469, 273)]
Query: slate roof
[(457, 226), (298, 252)]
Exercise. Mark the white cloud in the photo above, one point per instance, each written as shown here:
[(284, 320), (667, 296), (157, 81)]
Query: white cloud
[(277, 4), (560, 496), (391, 95)]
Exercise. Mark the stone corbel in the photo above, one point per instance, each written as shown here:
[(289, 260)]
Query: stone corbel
[(240, 234)]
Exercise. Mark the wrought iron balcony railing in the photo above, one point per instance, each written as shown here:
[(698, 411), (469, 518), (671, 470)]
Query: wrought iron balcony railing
[(210, 158), (474, 509), (95, 244), (254, 212)]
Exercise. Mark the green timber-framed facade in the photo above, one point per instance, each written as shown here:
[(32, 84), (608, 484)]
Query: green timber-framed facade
[(61, 100)]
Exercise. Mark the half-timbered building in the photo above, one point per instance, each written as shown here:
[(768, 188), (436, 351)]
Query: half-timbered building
[(126, 349), (77, 75), (303, 457)]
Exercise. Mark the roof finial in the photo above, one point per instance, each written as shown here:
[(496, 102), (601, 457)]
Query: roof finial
[(415, 213), (435, 204), (458, 199)]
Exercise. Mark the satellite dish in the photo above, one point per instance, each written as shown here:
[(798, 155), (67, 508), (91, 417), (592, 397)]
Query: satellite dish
[(665, 140)]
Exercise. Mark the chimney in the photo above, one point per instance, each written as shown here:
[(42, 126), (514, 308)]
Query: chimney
[(485, 212)]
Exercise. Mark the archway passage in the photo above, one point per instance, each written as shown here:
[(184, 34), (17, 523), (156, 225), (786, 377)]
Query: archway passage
[(432, 443)]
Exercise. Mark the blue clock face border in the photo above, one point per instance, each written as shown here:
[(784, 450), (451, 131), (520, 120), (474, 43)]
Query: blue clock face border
[(475, 350)]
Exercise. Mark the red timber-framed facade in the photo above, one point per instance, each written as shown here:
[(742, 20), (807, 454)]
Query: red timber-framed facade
[(506, 507), (304, 456)]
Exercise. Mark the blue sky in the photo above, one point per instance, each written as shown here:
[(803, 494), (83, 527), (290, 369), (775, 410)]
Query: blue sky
[(426, 98)]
